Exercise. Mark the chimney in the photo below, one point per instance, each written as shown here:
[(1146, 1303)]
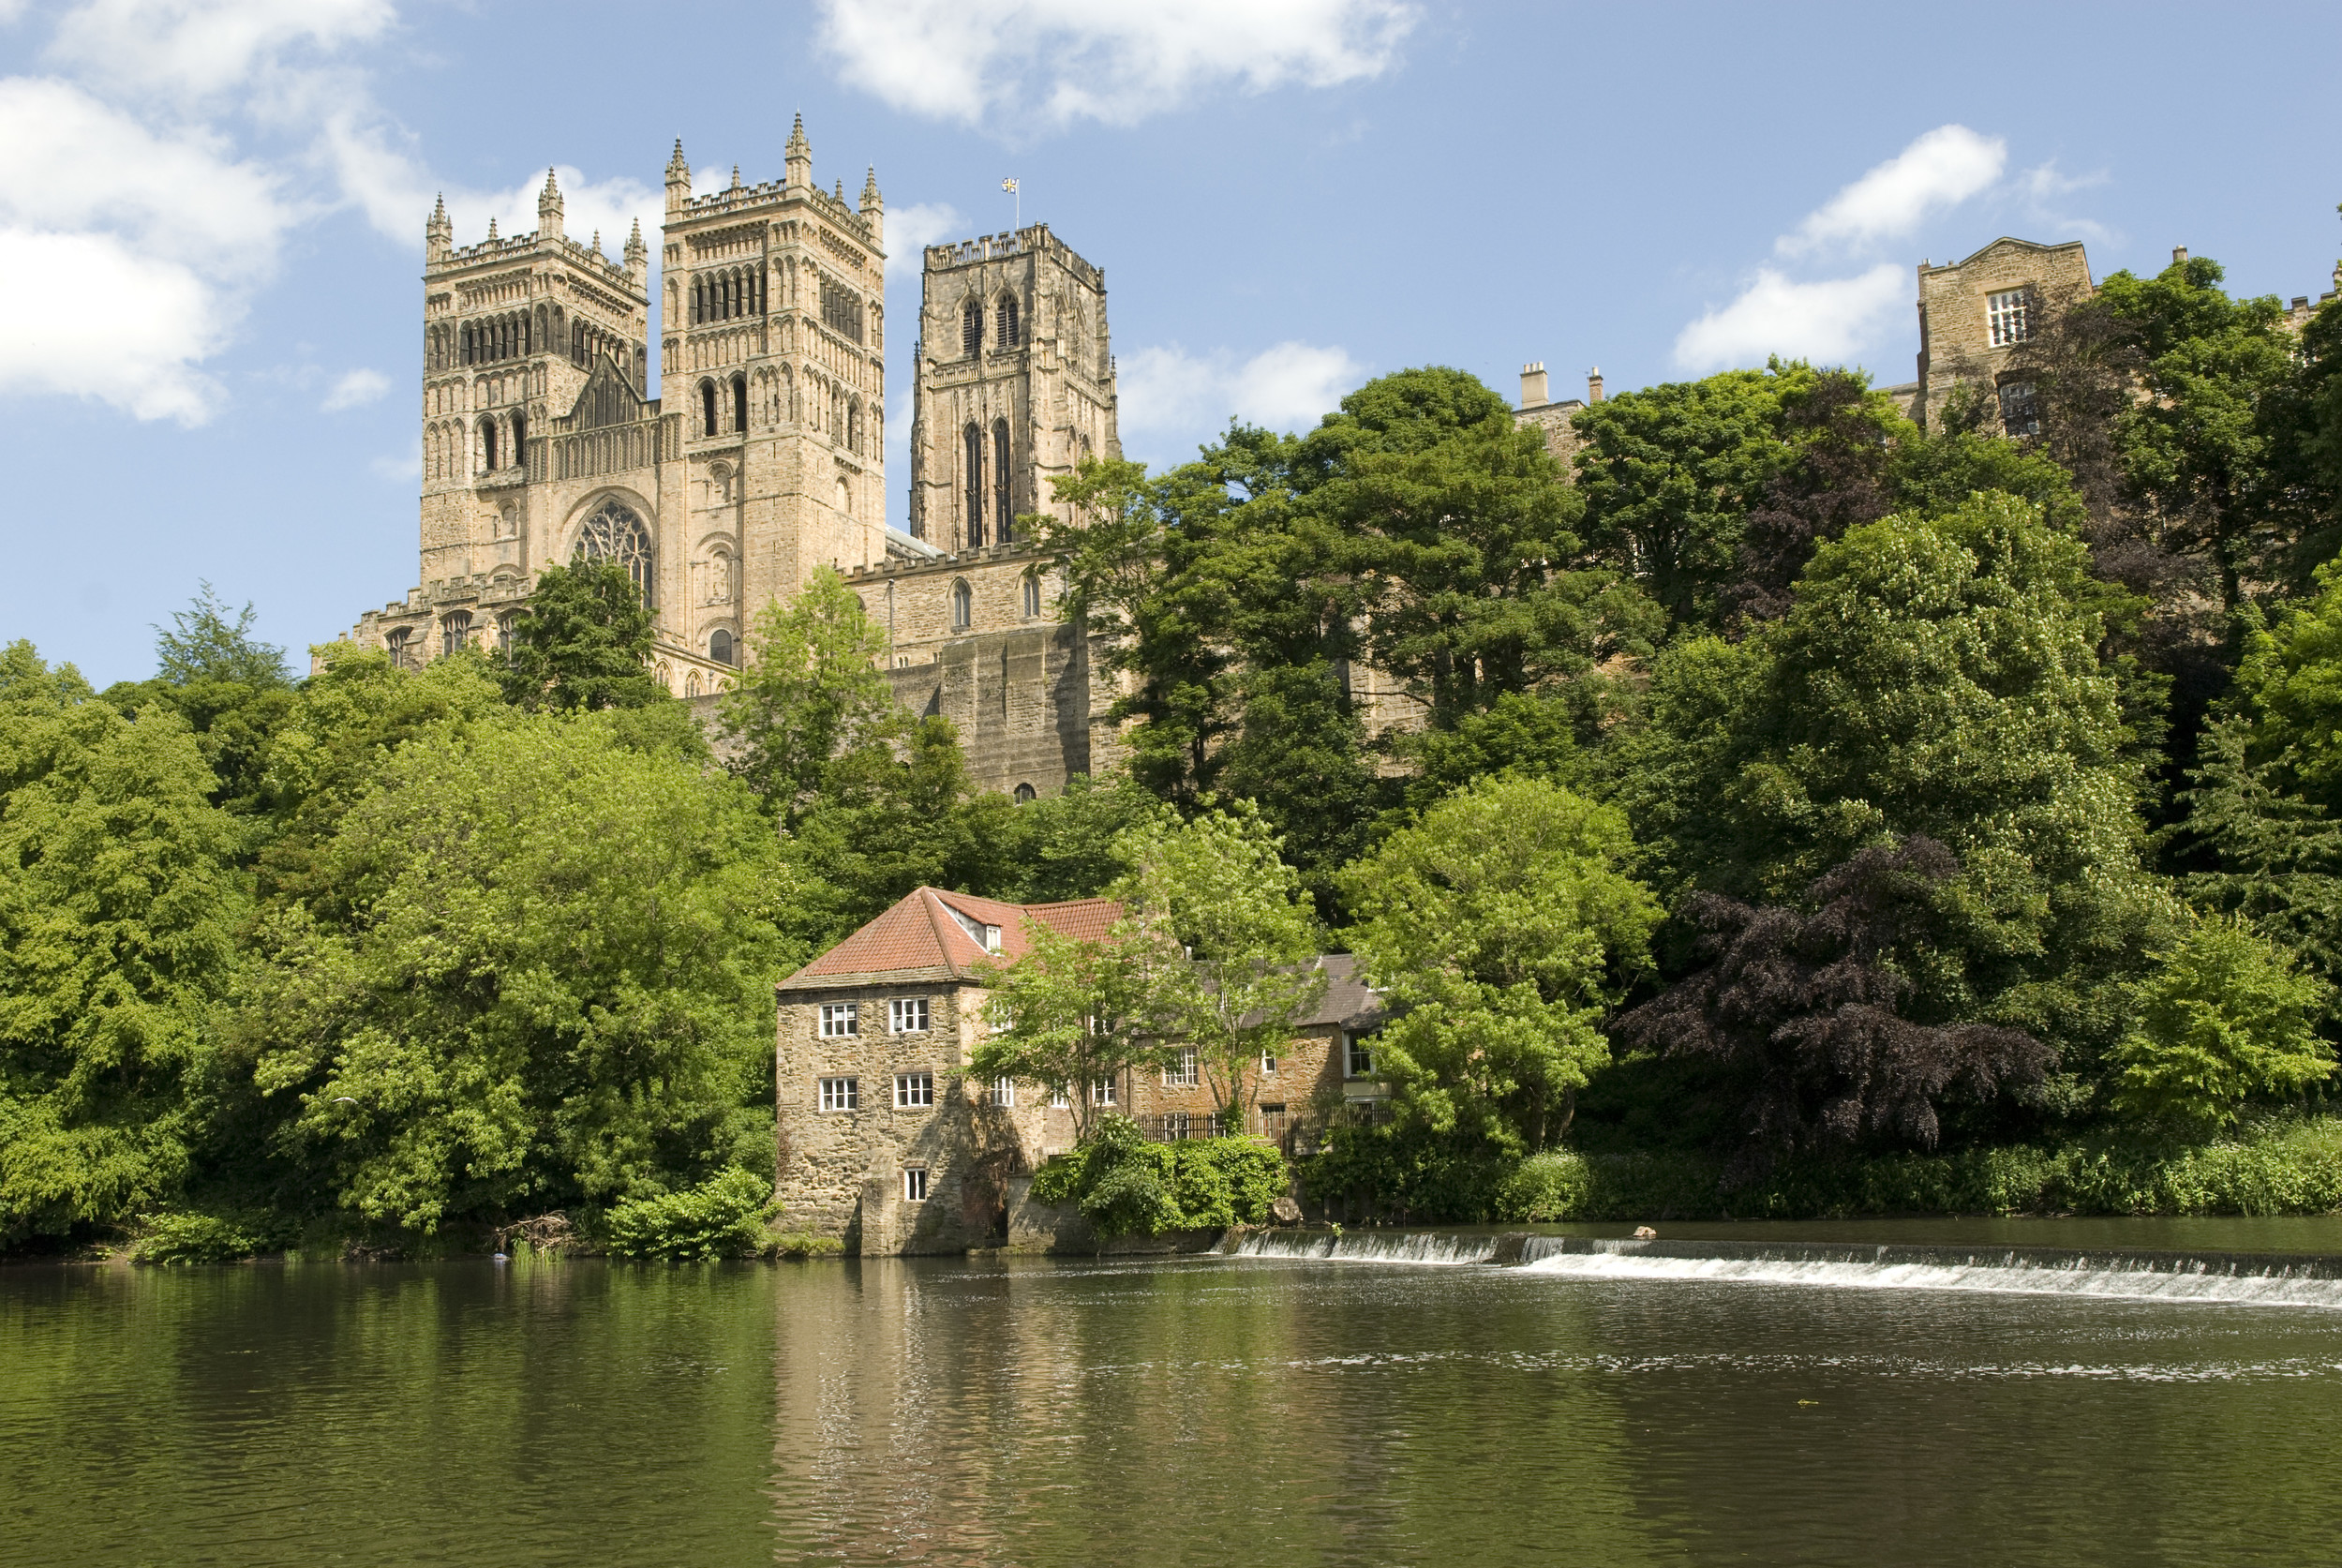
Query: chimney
[(1593, 384), (1533, 393), (2179, 254)]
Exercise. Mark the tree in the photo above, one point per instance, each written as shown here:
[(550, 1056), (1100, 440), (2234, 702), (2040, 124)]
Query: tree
[(1072, 1014), (234, 691), (1669, 474), (1075, 844), (2277, 857), (2228, 1015), (2289, 690), (582, 642), (548, 980), (1498, 929), (117, 926), (1217, 887), (1812, 1011), (812, 691), (1834, 478)]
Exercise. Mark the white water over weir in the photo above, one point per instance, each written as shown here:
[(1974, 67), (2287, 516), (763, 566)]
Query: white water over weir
[(2270, 1280)]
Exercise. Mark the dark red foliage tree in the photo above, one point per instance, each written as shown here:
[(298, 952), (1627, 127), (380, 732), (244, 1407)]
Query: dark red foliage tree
[(1809, 1008), (1837, 481)]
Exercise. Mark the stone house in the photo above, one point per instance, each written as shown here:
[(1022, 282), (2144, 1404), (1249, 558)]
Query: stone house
[(882, 1139)]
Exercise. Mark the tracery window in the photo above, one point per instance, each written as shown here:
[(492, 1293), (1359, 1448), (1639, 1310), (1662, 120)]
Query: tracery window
[(1006, 328), (504, 629), (615, 532), (454, 631), (962, 607), (971, 328), (400, 645), (972, 439)]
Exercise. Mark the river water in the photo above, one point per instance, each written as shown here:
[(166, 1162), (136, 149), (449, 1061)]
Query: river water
[(2020, 1393)]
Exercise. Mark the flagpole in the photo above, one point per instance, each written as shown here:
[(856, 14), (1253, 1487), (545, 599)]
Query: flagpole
[(1014, 187)]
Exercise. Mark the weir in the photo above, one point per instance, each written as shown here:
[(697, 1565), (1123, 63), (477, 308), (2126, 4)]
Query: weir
[(2239, 1278)]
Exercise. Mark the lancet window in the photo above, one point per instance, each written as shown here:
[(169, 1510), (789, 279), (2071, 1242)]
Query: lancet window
[(972, 439)]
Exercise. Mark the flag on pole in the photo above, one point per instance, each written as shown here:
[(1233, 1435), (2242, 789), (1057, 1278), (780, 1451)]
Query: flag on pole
[(1009, 185)]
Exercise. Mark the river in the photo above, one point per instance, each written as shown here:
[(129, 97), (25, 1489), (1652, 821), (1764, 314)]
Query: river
[(2013, 1392)]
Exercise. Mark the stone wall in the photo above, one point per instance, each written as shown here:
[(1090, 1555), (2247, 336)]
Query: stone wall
[(1955, 337)]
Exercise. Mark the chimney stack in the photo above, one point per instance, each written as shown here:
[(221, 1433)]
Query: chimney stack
[(2179, 254), (1533, 393), (1593, 384)]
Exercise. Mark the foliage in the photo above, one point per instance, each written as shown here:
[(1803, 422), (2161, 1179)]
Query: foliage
[(722, 1217), (233, 690), (1215, 887), (1833, 477), (812, 690), (2279, 856), (1125, 1185), (2227, 1016), (1497, 930), (187, 1237), (545, 978), (1075, 844), (1812, 1011), (118, 918), (582, 642), (2289, 691)]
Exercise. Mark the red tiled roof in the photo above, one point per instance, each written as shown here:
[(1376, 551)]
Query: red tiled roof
[(920, 940)]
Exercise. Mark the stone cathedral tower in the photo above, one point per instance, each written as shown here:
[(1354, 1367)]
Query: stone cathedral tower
[(760, 459), (1015, 384)]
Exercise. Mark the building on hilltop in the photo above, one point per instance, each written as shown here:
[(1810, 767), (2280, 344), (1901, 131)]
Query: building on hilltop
[(1556, 421), (883, 1141)]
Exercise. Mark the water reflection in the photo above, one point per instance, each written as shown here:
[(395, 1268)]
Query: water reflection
[(1036, 1413)]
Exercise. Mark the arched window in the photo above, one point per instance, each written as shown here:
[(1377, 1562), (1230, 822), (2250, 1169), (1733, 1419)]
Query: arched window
[(962, 605), (854, 425), (973, 439), (454, 631), (401, 647), (1005, 332), (720, 645), (1003, 504), (614, 533), (464, 340), (520, 436), (707, 408), (505, 631), (1025, 792), (740, 402), (691, 684), (1032, 596), (487, 444), (971, 328)]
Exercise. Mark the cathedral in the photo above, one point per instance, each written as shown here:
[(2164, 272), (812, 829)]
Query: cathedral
[(761, 457)]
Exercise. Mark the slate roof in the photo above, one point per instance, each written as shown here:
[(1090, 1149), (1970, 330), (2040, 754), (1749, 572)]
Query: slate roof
[(919, 940), (1350, 1002)]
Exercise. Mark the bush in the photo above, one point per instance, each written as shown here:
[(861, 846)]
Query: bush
[(1123, 1185), (193, 1238), (802, 1243), (722, 1218)]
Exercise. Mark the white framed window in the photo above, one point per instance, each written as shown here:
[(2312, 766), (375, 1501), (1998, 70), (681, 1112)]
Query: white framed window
[(914, 1184), (914, 1091), (1357, 1057), (2005, 318), (1182, 1073), (1058, 1099), (840, 1093), (1268, 1064), (987, 936), (907, 1015), (1003, 1093), (1102, 1091), (840, 1019)]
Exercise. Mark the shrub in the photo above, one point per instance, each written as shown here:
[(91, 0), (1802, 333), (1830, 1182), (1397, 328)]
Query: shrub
[(193, 1238), (1123, 1185), (2229, 1015), (722, 1218)]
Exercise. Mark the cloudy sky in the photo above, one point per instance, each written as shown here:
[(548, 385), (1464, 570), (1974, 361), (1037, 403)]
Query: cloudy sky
[(211, 211)]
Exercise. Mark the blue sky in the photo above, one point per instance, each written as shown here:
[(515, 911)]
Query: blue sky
[(211, 211)]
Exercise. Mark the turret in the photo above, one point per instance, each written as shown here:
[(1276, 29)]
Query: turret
[(549, 209), (637, 258), (799, 159), (438, 235), (679, 179), (875, 209)]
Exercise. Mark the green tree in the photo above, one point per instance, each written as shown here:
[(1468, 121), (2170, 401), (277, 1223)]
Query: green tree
[(1073, 1013), (582, 642), (234, 691), (1217, 887), (548, 980), (1498, 929), (2227, 1015), (1075, 844), (117, 929), (813, 689), (2276, 857)]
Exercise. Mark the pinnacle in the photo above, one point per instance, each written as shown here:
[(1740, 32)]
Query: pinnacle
[(797, 135), (678, 161), (551, 189), (736, 176), (491, 227)]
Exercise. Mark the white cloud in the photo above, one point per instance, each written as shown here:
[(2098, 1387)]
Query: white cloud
[(1827, 321), (198, 48), (1942, 169), (406, 469), (86, 315), (355, 389), (1061, 61), (1169, 392)]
